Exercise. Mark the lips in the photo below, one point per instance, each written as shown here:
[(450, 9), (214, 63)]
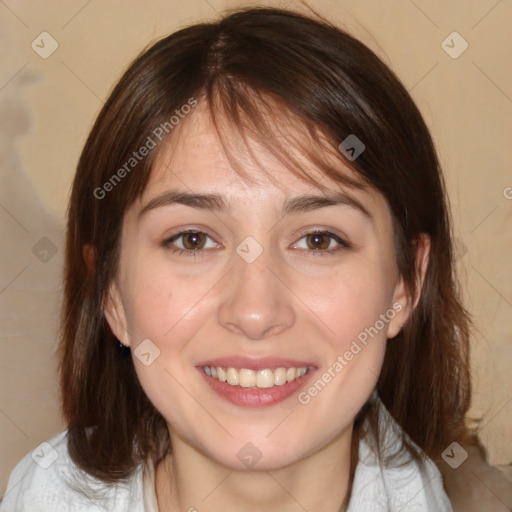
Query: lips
[(255, 381)]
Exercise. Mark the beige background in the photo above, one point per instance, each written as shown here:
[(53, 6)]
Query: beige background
[(47, 107)]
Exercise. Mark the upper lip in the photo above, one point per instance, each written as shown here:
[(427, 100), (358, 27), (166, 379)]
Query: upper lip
[(256, 363)]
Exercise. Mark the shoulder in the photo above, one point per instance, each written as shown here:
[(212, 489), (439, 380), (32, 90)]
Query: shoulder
[(48, 480), (408, 484), (389, 478)]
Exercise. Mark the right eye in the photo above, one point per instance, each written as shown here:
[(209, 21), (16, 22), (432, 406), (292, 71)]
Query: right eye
[(189, 243)]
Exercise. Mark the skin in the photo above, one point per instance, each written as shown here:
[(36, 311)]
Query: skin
[(289, 303)]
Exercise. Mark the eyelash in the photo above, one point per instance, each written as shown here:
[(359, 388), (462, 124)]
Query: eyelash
[(194, 253)]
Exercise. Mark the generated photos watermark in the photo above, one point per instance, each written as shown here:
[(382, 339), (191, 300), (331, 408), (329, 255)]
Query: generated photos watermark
[(157, 136), (362, 339)]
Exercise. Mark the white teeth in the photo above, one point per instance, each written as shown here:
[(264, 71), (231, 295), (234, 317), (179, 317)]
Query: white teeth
[(280, 376), (265, 379), (233, 377), (221, 374), (246, 378)]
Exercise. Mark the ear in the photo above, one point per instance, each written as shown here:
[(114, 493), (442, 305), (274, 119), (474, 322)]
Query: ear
[(403, 303), (115, 314), (89, 255)]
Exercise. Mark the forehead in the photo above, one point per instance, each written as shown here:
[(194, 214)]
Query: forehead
[(195, 158)]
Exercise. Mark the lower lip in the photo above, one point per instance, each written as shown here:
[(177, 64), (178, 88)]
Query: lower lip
[(263, 397)]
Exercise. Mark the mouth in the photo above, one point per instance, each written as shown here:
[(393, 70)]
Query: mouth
[(255, 382)]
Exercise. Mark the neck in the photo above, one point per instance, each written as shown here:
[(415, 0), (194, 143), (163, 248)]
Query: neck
[(189, 480)]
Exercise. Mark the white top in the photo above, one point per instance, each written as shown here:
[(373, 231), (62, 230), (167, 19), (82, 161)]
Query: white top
[(46, 480)]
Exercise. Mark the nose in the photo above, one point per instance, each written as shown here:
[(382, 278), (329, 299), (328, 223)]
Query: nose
[(255, 302)]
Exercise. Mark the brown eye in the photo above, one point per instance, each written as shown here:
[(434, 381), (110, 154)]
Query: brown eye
[(321, 243), (190, 243), (193, 241), (318, 241)]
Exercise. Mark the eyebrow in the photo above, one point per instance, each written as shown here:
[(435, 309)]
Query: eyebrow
[(218, 203)]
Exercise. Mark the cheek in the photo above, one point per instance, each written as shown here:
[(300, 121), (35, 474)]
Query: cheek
[(354, 306), (162, 305), (169, 310), (351, 300)]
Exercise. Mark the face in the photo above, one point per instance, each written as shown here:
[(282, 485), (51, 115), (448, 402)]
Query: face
[(228, 291)]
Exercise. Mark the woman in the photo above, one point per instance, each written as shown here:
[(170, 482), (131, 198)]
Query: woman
[(260, 311)]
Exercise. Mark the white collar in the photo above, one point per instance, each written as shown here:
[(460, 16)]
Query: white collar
[(405, 485)]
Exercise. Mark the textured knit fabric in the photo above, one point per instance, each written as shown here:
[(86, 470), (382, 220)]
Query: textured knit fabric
[(47, 481), (405, 485)]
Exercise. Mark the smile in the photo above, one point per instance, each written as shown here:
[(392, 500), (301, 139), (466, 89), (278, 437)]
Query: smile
[(256, 379)]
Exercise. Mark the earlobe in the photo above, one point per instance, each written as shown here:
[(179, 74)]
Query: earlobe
[(402, 308), (114, 313), (403, 303)]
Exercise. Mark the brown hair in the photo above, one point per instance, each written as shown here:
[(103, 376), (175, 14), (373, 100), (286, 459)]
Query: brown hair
[(332, 85)]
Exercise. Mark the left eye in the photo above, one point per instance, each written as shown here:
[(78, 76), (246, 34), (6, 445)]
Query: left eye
[(320, 241)]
